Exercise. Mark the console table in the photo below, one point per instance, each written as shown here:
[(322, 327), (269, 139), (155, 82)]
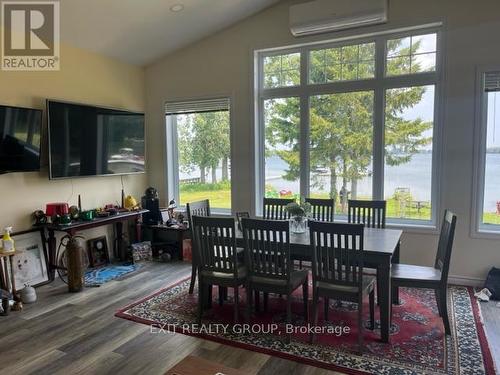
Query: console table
[(75, 227), (180, 233)]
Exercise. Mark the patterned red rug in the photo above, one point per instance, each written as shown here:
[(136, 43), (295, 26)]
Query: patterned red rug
[(418, 344)]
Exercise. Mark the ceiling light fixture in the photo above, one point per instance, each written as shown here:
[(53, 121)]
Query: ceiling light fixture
[(177, 8)]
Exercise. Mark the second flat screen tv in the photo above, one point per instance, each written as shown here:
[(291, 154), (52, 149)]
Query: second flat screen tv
[(94, 141)]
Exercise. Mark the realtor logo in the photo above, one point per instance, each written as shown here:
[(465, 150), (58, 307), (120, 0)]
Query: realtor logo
[(30, 39)]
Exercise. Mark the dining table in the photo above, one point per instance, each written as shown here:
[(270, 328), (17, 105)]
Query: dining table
[(381, 249)]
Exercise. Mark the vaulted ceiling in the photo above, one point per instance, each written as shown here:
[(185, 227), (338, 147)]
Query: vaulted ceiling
[(141, 31)]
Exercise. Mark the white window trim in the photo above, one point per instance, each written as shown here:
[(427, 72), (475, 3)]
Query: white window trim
[(172, 152), (477, 228), (378, 85)]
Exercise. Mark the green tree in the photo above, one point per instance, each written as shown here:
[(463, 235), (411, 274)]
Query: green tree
[(203, 141), (341, 125)]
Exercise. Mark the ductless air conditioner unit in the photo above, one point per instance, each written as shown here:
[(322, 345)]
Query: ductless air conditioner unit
[(322, 16)]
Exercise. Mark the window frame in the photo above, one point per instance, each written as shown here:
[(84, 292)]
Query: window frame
[(478, 228), (171, 153), (378, 84)]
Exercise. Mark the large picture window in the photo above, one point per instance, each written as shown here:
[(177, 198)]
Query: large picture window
[(356, 121), (201, 150), (488, 179)]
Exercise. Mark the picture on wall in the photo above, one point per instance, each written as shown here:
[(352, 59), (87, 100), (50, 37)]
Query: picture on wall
[(30, 261)]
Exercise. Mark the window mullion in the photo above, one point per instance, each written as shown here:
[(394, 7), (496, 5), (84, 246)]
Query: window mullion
[(304, 126), (378, 122)]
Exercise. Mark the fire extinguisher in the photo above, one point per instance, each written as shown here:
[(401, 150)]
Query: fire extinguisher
[(73, 256)]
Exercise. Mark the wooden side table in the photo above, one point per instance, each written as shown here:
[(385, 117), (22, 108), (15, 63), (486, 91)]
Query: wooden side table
[(179, 232), (7, 279)]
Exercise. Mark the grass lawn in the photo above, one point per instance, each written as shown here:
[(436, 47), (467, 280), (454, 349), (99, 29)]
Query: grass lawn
[(491, 218), (220, 197)]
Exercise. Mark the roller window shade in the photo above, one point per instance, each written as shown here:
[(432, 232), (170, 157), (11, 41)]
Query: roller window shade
[(492, 81), (197, 106)]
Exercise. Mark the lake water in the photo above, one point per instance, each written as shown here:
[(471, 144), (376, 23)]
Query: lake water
[(414, 175)]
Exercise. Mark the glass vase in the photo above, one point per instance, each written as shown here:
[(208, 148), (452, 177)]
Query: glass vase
[(298, 224)]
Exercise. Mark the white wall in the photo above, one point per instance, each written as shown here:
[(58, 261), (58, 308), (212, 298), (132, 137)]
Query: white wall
[(222, 64)]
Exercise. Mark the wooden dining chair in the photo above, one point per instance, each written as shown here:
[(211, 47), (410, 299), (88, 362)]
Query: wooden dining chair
[(270, 269), (372, 214), (410, 276), (337, 269), (199, 208), (322, 209), (217, 259), (274, 208)]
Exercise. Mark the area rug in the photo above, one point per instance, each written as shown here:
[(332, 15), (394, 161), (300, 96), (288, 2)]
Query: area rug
[(418, 344), (101, 275)]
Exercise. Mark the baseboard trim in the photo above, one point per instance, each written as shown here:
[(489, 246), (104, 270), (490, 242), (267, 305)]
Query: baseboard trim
[(464, 280)]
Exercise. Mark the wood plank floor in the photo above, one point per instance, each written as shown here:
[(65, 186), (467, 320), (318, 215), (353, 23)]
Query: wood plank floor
[(491, 316), (78, 334)]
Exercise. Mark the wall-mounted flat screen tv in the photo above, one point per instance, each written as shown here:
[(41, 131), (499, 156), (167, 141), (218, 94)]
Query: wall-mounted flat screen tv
[(20, 135), (94, 141)]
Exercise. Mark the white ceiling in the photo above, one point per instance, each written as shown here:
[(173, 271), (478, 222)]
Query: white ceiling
[(141, 31)]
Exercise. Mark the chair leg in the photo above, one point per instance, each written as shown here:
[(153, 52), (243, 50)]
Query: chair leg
[(288, 315), (360, 324), (249, 303), (438, 302), (257, 300), (314, 315), (305, 296), (221, 295), (193, 277), (201, 301), (209, 295), (443, 297), (326, 307), (372, 310), (266, 300), (236, 304)]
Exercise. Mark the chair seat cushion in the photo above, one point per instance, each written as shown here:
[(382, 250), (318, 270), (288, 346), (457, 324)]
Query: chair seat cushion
[(411, 272), (367, 285), (297, 278), (242, 274)]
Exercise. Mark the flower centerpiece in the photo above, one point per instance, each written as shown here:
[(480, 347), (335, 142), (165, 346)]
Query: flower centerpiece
[(298, 216)]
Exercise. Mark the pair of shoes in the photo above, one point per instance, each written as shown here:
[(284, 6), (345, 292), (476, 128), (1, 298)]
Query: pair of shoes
[(483, 295)]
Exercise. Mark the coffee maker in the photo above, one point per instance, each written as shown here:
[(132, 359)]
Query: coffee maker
[(151, 202)]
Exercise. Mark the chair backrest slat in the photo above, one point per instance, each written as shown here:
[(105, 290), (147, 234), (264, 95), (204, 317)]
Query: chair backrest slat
[(337, 252), (267, 248), (372, 214), (445, 244), (274, 208), (199, 208), (215, 243), (322, 209)]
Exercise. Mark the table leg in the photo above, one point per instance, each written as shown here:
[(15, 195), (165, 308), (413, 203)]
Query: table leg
[(395, 260), (180, 239), (15, 295), (384, 270), (138, 229), (51, 247), (118, 251)]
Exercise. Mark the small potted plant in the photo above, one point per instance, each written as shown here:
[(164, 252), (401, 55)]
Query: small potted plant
[(298, 216)]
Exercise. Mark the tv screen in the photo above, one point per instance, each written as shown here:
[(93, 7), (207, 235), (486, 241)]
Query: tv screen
[(94, 141), (20, 135)]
